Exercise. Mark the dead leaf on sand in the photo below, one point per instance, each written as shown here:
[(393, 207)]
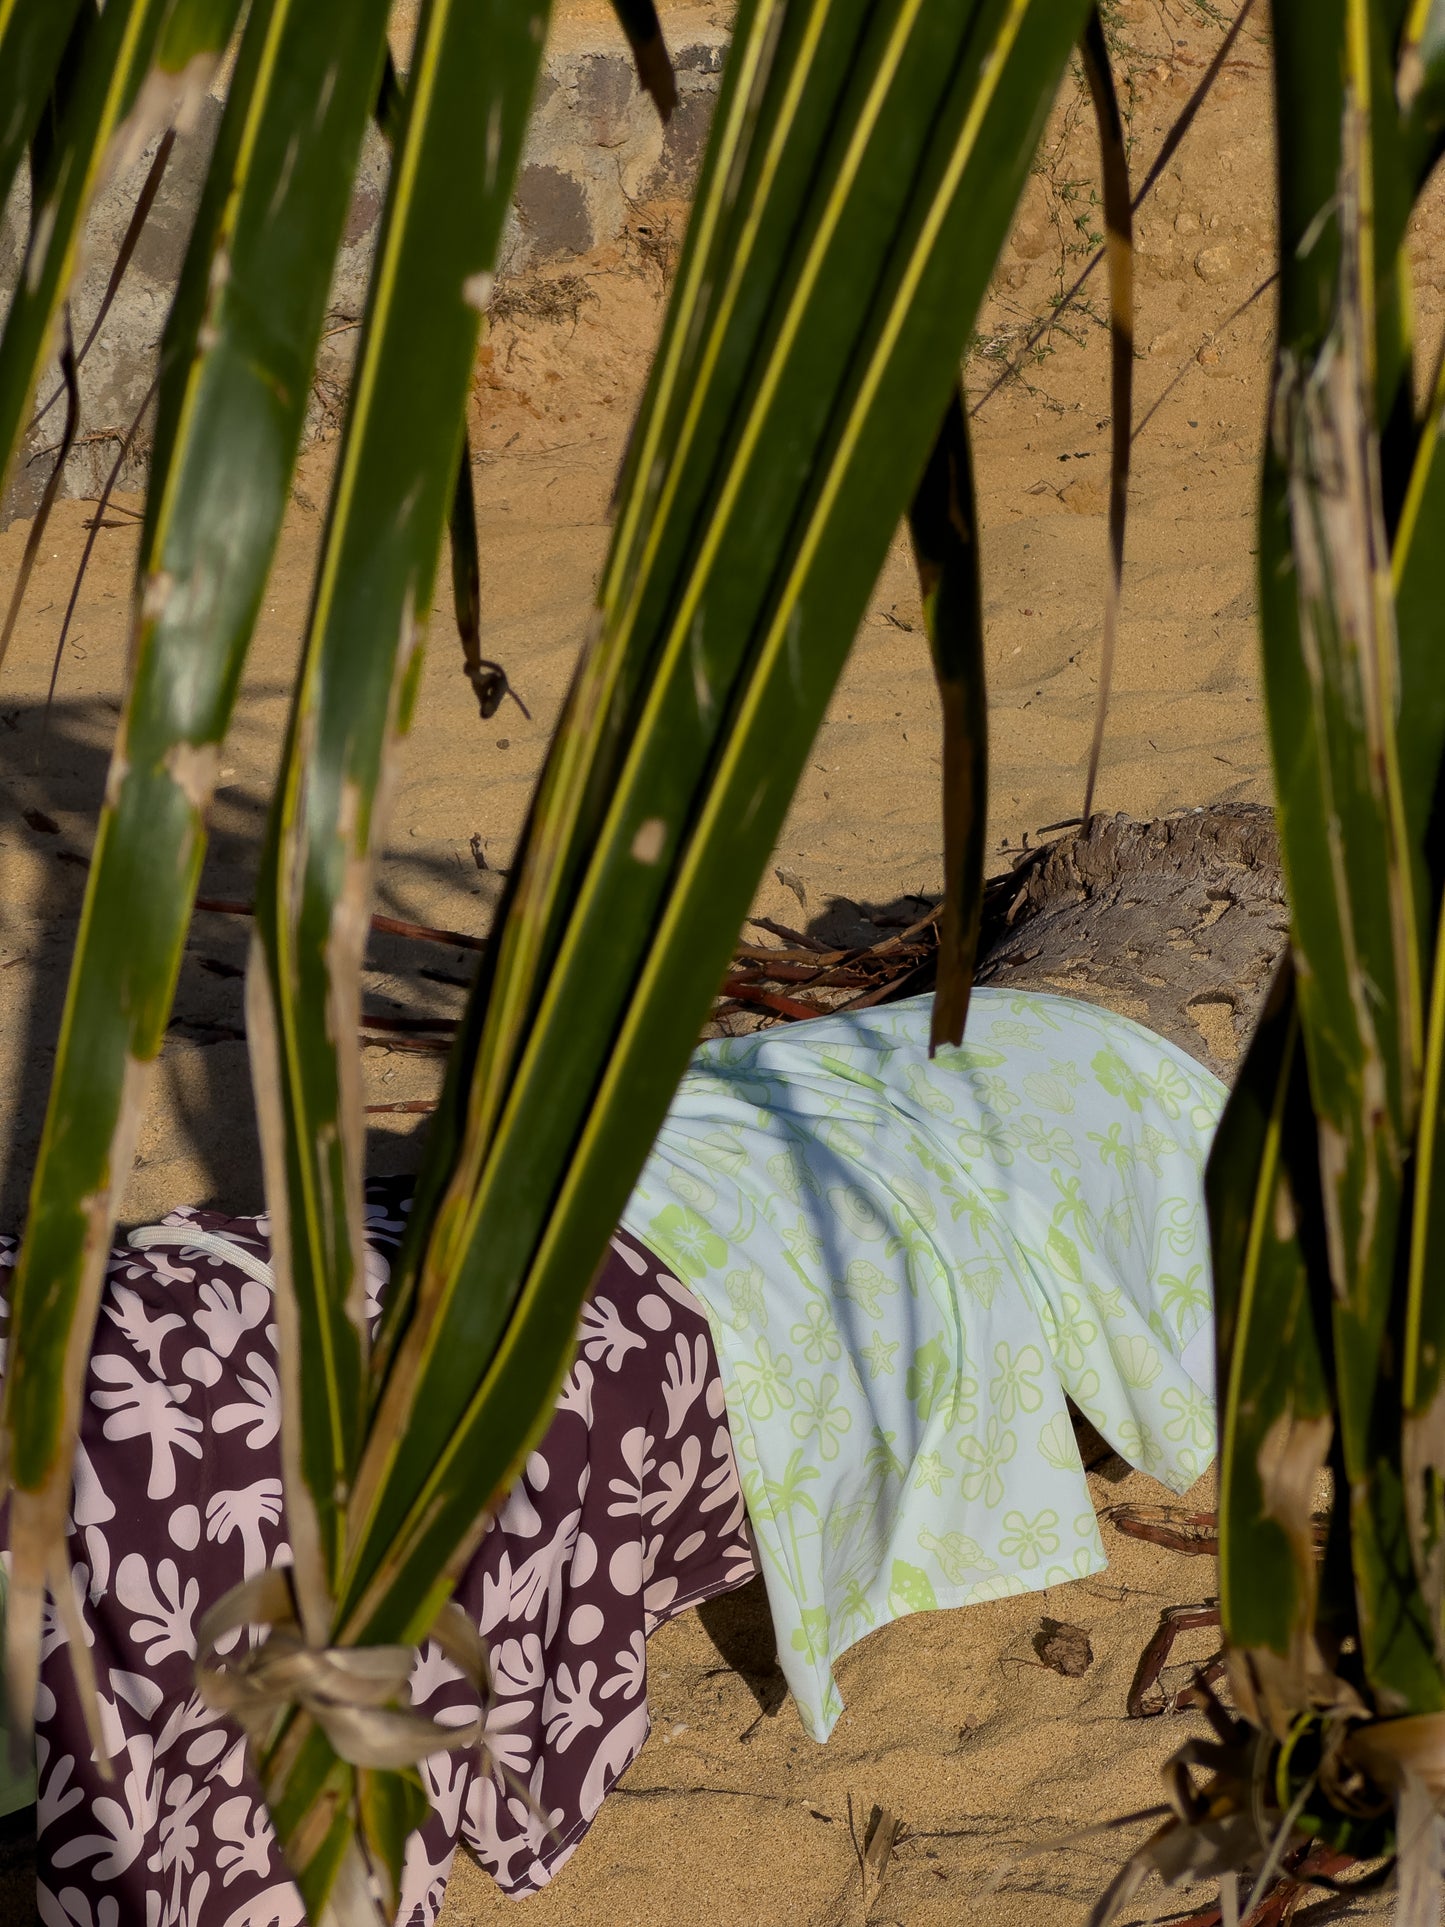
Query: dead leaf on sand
[(1063, 1647)]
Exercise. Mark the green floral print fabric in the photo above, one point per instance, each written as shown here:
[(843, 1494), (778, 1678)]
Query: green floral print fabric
[(908, 1264)]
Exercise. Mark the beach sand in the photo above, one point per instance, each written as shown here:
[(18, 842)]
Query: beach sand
[(985, 1756)]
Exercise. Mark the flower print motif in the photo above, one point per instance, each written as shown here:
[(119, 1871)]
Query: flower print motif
[(262, 1412), (691, 1245), (822, 1415), (1119, 1080), (929, 1378), (1027, 1540), (981, 1279), (1139, 1445), (1071, 1331), (1193, 1417), (1183, 1229), (166, 1610), (126, 1309), (690, 1188), (1073, 1208), (803, 1243), (865, 1286), (959, 1557), (147, 1408), (990, 1139), (817, 1334), (986, 1456), (1113, 1149), (963, 1409), (1153, 1145), (1138, 1362), (1085, 1393), (929, 1470), (1054, 1093), (1083, 1561), (1046, 1144), (224, 1318), (1014, 1388), (1169, 1088), (1181, 1296), (764, 1380), (745, 1294), (993, 1093), (1190, 1466), (245, 1513), (1202, 1121), (1056, 1444), (859, 1213), (878, 1355)]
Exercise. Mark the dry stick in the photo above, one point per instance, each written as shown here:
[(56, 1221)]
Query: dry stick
[(138, 219), (386, 926), (97, 521), (1119, 226), (52, 486), (1161, 160)]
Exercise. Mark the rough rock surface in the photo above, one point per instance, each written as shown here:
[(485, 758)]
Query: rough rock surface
[(1178, 923)]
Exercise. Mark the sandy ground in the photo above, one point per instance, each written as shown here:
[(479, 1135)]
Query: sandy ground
[(985, 1755)]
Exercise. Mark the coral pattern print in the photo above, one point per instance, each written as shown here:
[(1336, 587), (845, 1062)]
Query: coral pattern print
[(629, 1510)]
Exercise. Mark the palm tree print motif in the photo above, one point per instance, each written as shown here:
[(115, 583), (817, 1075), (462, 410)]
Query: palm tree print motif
[(924, 1257)]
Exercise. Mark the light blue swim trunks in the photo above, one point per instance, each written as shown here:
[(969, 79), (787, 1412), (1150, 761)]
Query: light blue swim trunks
[(908, 1264)]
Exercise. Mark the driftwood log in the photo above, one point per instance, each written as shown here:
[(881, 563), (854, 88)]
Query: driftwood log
[(1178, 923)]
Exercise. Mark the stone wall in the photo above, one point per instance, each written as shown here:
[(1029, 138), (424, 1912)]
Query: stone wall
[(596, 153)]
